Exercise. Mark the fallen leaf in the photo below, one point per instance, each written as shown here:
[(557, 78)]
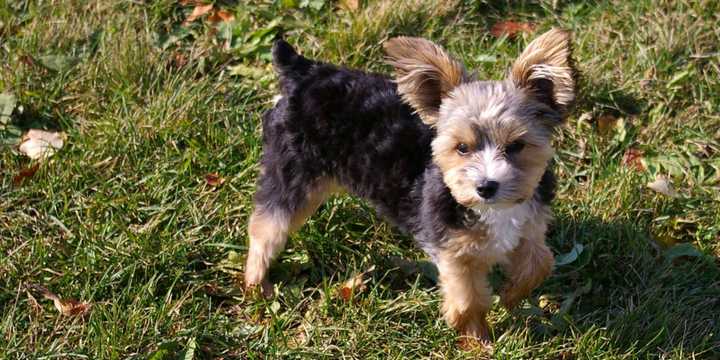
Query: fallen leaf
[(663, 185), (179, 59), (68, 307), (486, 58), (221, 16), (355, 285), (606, 123), (246, 71), (350, 5), (566, 355), (682, 250), (585, 117), (633, 158), (27, 60), (569, 257), (40, 144), (197, 12), (58, 63), (511, 28), (25, 174), (7, 105), (548, 303), (214, 179), (33, 302), (190, 349)]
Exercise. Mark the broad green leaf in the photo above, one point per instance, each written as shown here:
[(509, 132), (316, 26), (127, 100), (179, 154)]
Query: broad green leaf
[(190, 349), (10, 135), (7, 105), (679, 77), (682, 250), (58, 63), (167, 40), (569, 257)]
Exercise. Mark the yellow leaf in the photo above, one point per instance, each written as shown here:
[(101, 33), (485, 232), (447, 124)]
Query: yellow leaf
[(197, 12), (354, 286)]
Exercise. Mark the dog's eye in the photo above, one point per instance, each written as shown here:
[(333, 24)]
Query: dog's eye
[(514, 147), (462, 148)]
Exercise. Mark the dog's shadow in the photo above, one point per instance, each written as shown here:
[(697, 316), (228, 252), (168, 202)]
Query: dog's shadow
[(624, 294)]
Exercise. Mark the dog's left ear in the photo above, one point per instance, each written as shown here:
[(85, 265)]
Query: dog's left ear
[(546, 69), (425, 74)]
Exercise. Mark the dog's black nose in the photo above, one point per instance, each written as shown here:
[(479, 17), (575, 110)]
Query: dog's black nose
[(487, 188)]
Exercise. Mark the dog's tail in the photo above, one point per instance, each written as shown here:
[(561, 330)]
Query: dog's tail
[(290, 66)]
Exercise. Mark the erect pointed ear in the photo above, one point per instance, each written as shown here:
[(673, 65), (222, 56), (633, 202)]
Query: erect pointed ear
[(546, 69), (425, 74)]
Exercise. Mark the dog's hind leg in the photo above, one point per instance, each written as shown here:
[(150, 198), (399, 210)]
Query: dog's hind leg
[(270, 225)]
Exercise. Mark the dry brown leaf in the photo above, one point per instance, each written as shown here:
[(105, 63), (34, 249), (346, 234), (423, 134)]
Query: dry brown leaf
[(633, 159), (354, 286), (606, 123), (67, 307), (214, 179), (585, 117), (27, 60), (179, 59), (221, 16), (511, 28), (40, 144), (33, 302), (197, 12), (663, 185), (25, 174)]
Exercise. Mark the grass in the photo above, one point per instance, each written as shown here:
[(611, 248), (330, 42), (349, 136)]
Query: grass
[(122, 216)]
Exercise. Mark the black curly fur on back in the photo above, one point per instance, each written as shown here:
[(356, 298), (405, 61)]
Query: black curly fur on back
[(353, 127)]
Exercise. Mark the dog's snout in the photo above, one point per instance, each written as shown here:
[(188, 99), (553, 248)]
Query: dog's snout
[(487, 188)]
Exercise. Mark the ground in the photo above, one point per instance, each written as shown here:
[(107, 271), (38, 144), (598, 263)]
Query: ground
[(142, 214)]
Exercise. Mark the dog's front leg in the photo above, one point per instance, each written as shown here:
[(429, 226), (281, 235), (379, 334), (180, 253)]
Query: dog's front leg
[(528, 265), (466, 295)]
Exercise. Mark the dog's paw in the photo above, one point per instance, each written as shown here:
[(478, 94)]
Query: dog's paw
[(264, 289), (509, 303), (510, 297), (483, 348)]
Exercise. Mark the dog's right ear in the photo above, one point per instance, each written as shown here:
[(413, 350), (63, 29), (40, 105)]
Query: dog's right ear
[(425, 74)]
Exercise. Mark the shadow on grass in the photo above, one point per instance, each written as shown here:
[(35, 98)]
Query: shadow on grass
[(644, 300)]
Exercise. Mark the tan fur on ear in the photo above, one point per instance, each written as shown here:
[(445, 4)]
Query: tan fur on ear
[(548, 60), (425, 73)]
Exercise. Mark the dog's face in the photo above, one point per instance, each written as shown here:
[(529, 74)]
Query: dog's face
[(493, 139)]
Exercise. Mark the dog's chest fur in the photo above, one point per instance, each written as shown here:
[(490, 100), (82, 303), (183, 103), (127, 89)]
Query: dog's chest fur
[(491, 234)]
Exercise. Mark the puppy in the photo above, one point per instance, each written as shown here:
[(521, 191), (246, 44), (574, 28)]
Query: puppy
[(459, 163)]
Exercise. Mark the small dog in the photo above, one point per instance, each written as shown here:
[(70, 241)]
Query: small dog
[(459, 163)]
